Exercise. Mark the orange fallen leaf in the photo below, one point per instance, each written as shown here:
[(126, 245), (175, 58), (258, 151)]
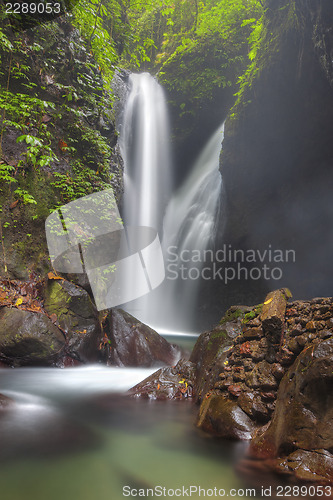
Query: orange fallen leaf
[(53, 276)]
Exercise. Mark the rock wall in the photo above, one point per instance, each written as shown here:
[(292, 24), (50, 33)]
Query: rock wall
[(68, 142), (269, 379), (277, 153)]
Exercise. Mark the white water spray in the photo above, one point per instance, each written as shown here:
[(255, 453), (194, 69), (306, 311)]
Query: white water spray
[(191, 215), (145, 149), (190, 225)]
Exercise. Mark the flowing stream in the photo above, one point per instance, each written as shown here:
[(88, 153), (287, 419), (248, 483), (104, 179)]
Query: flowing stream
[(189, 218), (73, 435)]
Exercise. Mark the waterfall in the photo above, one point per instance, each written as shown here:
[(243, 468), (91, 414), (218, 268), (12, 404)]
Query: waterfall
[(145, 149), (190, 216), (190, 225), (144, 144)]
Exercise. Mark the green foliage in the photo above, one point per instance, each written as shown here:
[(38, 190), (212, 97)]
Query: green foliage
[(212, 53), (81, 182), (38, 154), (6, 176), (25, 197)]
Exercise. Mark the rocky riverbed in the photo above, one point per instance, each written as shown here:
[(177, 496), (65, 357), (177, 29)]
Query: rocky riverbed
[(264, 373)]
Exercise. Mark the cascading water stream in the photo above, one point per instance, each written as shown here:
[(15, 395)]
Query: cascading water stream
[(190, 226), (145, 149), (190, 217)]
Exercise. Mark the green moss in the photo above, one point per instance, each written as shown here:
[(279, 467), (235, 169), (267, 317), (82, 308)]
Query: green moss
[(231, 315), (249, 316), (256, 311)]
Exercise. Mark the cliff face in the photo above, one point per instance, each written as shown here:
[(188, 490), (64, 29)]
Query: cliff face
[(278, 150), (57, 137)]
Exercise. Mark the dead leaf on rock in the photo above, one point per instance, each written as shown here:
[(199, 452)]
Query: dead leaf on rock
[(53, 276)]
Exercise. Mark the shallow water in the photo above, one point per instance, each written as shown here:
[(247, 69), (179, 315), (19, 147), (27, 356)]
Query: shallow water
[(73, 435)]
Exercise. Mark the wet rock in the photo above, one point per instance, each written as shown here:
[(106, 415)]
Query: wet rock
[(175, 382), (252, 333), (304, 406), (73, 311), (273, 313), (261, 376), (242, 376), (252, 404), (5, 402), (224, 418), (133, 343), (212, 349), (29, 338)]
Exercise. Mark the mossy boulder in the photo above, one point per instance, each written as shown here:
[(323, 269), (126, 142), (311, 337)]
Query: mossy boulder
[(29, 338), (210, 351), (74, 312)]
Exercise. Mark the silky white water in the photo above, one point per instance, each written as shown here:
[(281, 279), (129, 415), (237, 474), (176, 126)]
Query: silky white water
[(145, 148), (190, 216), (190, 225)]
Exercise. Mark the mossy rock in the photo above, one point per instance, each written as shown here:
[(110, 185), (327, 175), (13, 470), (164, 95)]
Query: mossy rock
[(29, 338), (77, 316)]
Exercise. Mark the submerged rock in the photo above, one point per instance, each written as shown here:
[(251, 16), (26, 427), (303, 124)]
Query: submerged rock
[(133, 343), (5, 402), (29, 338), (174, 382)]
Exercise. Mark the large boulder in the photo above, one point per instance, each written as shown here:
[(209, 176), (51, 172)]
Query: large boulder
[(303, 419), (29, 338), (210, 351), (72, 309), (133, 343), (237, 379), (5, 402)]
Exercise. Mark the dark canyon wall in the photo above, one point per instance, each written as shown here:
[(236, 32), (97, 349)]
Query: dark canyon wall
[(277, 154)]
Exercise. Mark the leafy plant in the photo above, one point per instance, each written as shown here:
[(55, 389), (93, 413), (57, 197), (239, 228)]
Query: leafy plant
[(81, 182), (25, 197), (38, 154)]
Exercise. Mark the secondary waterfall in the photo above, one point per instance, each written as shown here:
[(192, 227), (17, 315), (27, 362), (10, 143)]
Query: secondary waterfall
[(190, 217), (190, 225)]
